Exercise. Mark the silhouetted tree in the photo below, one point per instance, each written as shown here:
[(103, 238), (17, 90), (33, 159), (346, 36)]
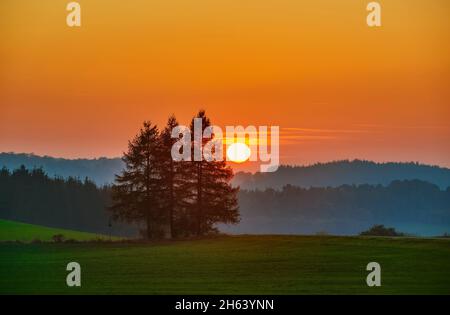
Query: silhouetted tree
[(173, 181), (214, 200), (137, 191)]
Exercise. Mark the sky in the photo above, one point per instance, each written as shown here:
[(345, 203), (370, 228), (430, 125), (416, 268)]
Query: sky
[(337, 88)]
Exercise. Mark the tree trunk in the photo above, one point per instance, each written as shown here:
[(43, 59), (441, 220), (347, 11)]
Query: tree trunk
[(171, 201), (149, 227), (199, 200), (147, 196)]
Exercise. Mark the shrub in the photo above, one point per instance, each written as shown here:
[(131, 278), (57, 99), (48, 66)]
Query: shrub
[(36, 241), (58, 238), (381, 230)]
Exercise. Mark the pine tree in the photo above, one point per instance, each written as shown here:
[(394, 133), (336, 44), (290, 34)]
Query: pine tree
[(214, 200), (173, 175), (136, 194)]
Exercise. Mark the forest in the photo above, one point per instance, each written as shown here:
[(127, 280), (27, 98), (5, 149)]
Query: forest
[(413, 206)]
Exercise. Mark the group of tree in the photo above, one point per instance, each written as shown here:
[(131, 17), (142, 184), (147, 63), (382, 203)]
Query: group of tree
[(337, 173), (99, 170), (172, 198), (414, 206), (30, 195)]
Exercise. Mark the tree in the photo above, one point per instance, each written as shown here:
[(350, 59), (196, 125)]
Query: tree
[(213, 199), (173, 183), (136, 194), (179, 198)]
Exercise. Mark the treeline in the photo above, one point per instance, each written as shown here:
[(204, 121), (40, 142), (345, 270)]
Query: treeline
[(333, 174), (32, 196), (339, 173), (100, 170), (412, 206), (173, 198)]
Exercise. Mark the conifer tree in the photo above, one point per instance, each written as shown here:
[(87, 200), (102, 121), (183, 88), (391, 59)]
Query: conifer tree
[(214, 200), (136, 194)]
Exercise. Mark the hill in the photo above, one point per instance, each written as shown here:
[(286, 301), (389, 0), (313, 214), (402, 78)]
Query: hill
[(17, 231), (339, 173), (231, 265), (411, 206), (100, 170), (333, 174)]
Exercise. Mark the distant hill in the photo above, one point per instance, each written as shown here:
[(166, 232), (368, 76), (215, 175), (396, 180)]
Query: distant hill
[(411, 206), (100, 170), (331, 174), (338, 173)]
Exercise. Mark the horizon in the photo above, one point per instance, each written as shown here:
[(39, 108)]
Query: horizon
[(238, 167)]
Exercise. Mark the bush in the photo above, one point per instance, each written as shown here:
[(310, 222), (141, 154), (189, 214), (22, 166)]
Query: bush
[(58, 238), (36, 241), (381, 230)]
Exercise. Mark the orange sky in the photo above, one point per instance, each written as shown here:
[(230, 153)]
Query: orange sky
[(337, 88)]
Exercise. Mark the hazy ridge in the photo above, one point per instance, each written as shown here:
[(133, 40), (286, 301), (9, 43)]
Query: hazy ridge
[(331, 174)]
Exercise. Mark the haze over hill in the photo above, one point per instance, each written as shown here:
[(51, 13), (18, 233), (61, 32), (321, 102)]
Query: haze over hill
[(332, 174), (412, 206), (100, 170)]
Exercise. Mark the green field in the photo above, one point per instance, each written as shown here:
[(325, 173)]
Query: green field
[(16, 231), (230, 265)]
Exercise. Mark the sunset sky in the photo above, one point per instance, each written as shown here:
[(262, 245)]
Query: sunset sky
[(337, 88)]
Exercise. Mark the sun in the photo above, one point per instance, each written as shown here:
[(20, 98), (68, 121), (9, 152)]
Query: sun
[(238, 152)]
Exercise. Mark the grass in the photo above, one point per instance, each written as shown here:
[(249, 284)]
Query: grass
[(231, 265), (16, 231)]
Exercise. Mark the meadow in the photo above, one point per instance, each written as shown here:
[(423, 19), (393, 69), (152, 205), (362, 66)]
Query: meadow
[(266, 264), (23, 232)]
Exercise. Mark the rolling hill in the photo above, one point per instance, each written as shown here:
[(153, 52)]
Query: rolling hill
[(17, 231), (332, 174)]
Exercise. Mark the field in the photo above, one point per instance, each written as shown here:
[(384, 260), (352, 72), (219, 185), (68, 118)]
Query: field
[(230, 265), (12, 231)]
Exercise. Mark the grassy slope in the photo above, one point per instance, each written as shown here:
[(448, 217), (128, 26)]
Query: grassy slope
[(12, 231), (231, 265)]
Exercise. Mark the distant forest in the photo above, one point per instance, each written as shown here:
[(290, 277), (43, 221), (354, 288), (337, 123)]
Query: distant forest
[(32, 196), (334, 174), (102, 170), (411, 206)]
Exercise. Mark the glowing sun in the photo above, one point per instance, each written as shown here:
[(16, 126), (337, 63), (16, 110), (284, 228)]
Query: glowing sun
[(238, 152)]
